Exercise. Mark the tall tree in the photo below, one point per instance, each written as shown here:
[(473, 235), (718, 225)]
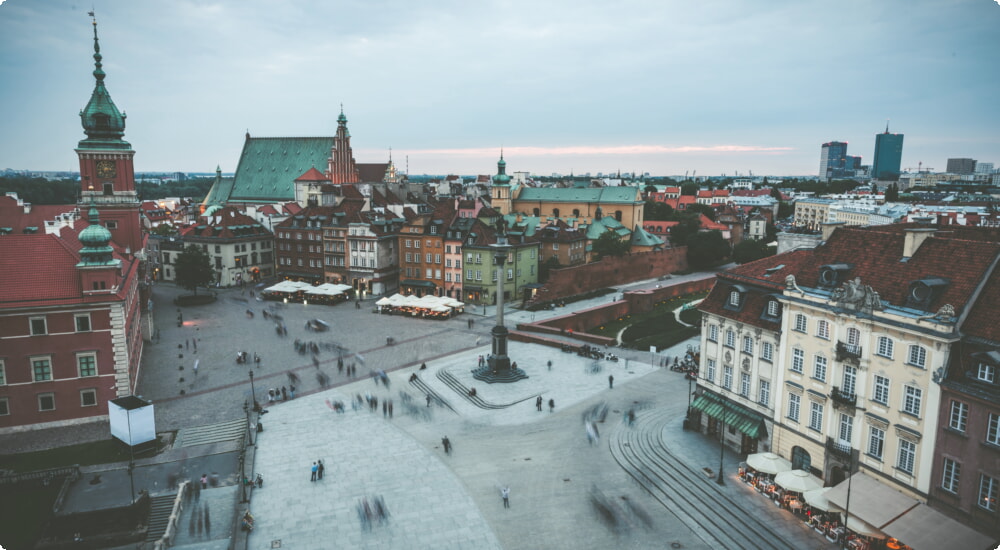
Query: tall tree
[(609, 244), (690, 188), (194, 268), (706, 249)]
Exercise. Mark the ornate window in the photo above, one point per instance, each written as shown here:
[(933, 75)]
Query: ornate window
[(819, 368), (880, 392), (713, 333), (959, 416), (876, 442), (745, 384), (798, 360), (911, 400), (730, 338), (917, 356), (850, 379), (884, 347), (764, 393), (800, 323), (710, 370), (853, 336), (748, 345), (773, 308), (907, 456), (846, 428), (727, 377), (767, 351), (823, 329), (794, 401), (815, 416)]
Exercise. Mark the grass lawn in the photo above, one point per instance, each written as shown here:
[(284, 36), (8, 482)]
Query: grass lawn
[(657, 327)]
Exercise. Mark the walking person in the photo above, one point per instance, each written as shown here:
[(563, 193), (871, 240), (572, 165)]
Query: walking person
[(538, 403), (204, 481), (446, 443), (611, 381), (505, 495), (319, 470), (196, 366), (550, 364), (314, 472), (552, 405)]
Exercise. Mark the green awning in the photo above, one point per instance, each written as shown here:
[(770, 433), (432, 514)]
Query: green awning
[(413, 282), (732, 414)]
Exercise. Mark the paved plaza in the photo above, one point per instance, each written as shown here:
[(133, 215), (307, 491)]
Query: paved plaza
[(565, 490)]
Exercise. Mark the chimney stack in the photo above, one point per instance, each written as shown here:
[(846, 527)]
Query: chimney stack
[(828, 228), (915, 238)]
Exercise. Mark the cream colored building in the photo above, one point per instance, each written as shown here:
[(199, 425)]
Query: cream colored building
[(810, 213)]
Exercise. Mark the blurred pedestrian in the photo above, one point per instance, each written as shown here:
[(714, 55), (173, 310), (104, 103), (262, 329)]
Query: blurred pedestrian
[(611, 381), (446, 443), (538, 403), (505, 495), (314, 471), (552, 405), (319, 470)]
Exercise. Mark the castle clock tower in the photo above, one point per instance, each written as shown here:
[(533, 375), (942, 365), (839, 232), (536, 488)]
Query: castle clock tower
[(107, 178)]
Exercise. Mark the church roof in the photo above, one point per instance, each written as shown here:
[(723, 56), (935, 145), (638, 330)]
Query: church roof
[(269, 165), (313, 175), (640, 237), (103, 123), (603, 195)]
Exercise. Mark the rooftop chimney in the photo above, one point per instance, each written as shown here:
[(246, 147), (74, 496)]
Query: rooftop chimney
[(915, 238), (828, 229)]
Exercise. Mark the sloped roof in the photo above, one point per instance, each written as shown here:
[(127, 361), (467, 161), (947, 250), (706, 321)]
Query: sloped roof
[(642, 238), (982, 319), (12, 215), (269, 165), (313, 175), (371, 172), (604, 195), (876, 256), (225, 223)]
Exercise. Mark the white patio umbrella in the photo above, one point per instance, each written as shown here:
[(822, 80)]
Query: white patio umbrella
[(817, 499), (768, 463), (798, 481), (383, 302)]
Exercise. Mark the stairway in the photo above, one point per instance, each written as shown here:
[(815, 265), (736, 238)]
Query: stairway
[(211, 433), (159, 516)]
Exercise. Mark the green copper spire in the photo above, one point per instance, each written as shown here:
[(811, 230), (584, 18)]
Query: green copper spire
[(102, 122), (95, 239), (501, 178)]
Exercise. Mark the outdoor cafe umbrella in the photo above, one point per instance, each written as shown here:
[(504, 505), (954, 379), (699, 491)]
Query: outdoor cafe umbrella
[(798, 481), (768, 463), (817, 499)]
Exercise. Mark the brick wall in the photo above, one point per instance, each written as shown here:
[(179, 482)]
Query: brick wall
[(610, 271)]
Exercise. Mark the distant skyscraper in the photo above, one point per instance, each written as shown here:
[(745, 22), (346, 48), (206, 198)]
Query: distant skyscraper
[(888, 155), (832, 160), (984, 167), (961, 166)]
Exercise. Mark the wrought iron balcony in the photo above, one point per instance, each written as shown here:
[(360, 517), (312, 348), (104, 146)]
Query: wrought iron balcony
[(848, 352), (841, 398), (838, 449)]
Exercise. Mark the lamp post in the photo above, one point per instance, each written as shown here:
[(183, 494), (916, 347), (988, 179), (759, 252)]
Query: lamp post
[(253, 392), (722, 442), (243, 475), (246, 411)]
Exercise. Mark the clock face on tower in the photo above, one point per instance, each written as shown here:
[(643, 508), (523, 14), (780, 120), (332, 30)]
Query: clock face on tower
[(106, 169)]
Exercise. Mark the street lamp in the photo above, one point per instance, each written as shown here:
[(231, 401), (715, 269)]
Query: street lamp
[(253, 392), (722, 442)]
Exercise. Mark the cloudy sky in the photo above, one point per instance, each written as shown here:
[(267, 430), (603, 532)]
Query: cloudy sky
[(659, 86)]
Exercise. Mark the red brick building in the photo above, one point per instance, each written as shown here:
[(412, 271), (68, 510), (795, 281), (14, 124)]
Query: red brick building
[(70, 306)]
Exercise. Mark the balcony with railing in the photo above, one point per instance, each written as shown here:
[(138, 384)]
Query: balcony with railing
[(843, 399), (838, 449), (848, 352)]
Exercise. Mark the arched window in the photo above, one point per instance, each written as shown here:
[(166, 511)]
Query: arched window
[(800, 459), (618, 215), (576, 212), (536, 212), (555, 212)]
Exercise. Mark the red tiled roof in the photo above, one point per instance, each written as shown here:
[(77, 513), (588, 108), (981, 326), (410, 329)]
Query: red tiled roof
[(268, 210), (755, 303), (704, 194), (351, 192), (13, 215), (221, 225), (313, 174), (291, 208), (982, 319), (372, 172), (876, 256)]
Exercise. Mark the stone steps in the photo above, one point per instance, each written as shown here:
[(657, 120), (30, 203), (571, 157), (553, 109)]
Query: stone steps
[(211, 433), (159, 515)]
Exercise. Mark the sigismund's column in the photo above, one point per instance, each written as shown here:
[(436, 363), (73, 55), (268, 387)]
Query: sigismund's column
[(498, 366)]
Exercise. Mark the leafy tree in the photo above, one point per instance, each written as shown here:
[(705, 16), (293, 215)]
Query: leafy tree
[(691, 188), (776, 194), (785, 210), (705, 209), (680, 233), (770, 233), (749, 250), (164, 230), (892, 192), (193, 268), (609, 244), (650, 188), (41, 190), (656, 211), (707, 248)]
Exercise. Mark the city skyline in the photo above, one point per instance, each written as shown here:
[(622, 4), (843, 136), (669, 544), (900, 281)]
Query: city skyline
[(564, 87)]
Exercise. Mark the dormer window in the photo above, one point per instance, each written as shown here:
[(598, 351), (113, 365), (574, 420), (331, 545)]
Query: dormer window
[(736, 298), (986, 372), (772, 311), (833, 275), (925, 291)]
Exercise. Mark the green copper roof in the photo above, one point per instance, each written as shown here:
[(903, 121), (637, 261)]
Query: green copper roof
[(220, 191), (602, 195), (95, 238), (501, 178), (641, 237), (268, 166), (102, 122), (528, 224)]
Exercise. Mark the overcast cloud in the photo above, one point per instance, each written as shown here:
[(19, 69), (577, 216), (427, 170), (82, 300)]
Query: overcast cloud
[(660, 86)]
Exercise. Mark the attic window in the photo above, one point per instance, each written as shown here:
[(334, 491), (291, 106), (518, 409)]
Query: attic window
[(736, 298), (925, 291), (832, 275)]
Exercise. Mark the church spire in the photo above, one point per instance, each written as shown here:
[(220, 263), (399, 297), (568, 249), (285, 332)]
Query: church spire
[(103, 123)]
